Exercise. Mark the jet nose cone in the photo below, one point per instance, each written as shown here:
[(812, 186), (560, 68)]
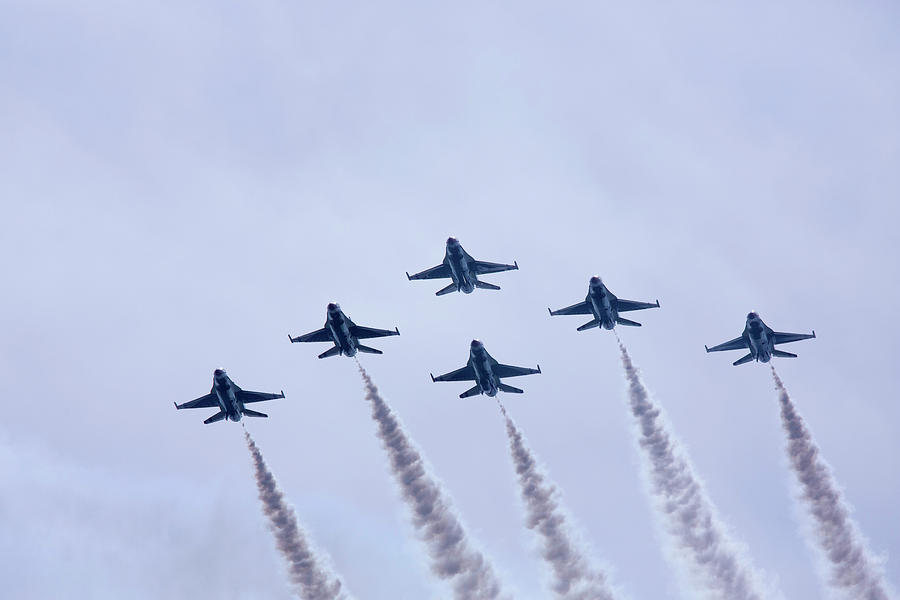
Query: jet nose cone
[(752, 316), (596, 280), (219, 372), (452, 241), (332, 306), (477, 344)]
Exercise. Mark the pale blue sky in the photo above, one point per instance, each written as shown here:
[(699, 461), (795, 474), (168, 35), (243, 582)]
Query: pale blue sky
[(185, 183)]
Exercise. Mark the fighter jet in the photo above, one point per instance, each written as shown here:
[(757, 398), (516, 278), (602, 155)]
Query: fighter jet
[(605, 307), (760, 340), (463, 270), (344, 333), (229, 398), (486, 373)]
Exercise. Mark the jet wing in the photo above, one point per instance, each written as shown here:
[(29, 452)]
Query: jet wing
[(511, 371), (784, 338), (248, 397), (738, 343), (442, 271), (368, 332), (582, 308), (319, 335), (626, 305), (482, 268), (467, 373), (208, 401)]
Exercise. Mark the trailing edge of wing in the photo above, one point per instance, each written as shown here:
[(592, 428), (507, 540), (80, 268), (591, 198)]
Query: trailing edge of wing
[(511, 371), (785, 338), (582, 308), (442, 271), (370, 332), (466, 373), (247, 397), (483, 268), (208, 401), (319, 335), (737, 343), (627, 305)]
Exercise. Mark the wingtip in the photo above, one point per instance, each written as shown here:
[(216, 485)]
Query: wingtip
[(282, 393), (408, 277), (433, 380), (516, 264), (176, 405), (657, 303), (397, 330), (814, 333), (539, 369), (707, 347), (549, 311)]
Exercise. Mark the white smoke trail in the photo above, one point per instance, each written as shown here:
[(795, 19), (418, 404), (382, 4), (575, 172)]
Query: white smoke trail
[(687, 512), (451, 556), (573, 578), (853, 571), (311, 580)]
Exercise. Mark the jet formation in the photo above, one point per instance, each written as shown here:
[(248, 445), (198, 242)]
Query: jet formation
[(602, 305)]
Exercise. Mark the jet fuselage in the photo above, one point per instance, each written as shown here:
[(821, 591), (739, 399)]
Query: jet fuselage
[(601, 302), (481, 363), (455, 258), (761, 345), (228, 402), (337, 324)]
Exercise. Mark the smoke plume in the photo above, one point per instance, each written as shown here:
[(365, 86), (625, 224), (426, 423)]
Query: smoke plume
[(685, 509), (853, 572), (311, 581), (573, 578), (451, 556)]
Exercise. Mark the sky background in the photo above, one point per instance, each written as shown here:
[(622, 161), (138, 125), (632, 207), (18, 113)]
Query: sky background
[(185, 183)]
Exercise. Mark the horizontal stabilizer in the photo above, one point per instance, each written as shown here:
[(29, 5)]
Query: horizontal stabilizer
[(509, 389), (216, 417), (783, 354), (368, 350), (486, 286), (621, 321), (741, 361), (335, 351), (471, 392), (590, 325), (450, 288), (252, 413)]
